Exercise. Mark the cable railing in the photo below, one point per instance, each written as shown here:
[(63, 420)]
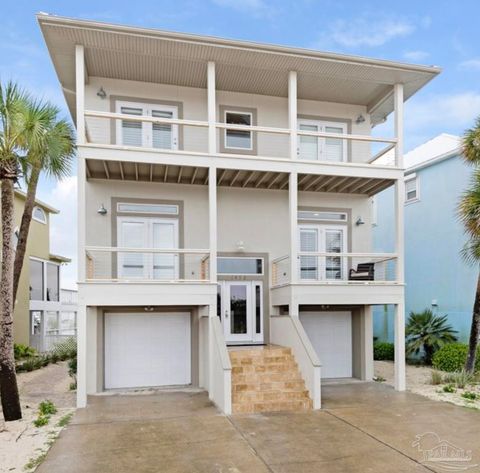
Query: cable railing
[(336, 268), (119, 264), (186, 136)]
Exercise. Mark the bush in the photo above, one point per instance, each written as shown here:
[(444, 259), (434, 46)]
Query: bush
[(452, 357), (23, 351), (47, 408), (383, 351), (459, 378), (436, 378), (40, 421), (470, 396), (449, 388)]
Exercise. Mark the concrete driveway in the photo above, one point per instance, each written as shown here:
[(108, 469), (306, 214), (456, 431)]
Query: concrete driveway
[(364, 427)]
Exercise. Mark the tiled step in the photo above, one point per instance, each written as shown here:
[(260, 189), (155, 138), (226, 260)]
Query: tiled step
[(266, 379)]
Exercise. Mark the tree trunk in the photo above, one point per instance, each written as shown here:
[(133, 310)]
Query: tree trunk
[(474, 332), (8, 379), (25, 228)]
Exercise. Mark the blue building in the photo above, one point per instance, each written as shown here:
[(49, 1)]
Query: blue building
[(436, 276)]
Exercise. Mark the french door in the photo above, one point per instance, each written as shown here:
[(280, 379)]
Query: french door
[(140, 232), (322, 149), (143, 134), (240, 309), (322, 239)]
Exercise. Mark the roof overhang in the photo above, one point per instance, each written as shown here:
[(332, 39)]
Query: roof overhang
[(48, 208), (149, 55)]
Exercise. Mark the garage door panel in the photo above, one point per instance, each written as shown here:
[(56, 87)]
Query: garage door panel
[(145, 350), (331, 336)]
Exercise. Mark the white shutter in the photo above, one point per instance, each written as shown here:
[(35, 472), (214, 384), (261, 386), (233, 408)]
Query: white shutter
[(334, 146), (333, 244), (308, 264), (132, 234), (308, 145), (132, 134), (164, 236), (162, 136)]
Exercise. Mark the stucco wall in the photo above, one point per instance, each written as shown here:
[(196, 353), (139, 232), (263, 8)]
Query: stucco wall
[(271, 111), (434, 268)]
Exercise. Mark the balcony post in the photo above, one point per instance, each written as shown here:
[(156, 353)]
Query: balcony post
[(292, 113), (212, 221), (399, 367), (80, 92), (292, 208), (399, 184), (212, 137)]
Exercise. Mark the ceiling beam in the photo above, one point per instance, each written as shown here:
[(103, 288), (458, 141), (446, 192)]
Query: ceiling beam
[(262, 178), (151, 172), (348, 184), (222, 175), (122, 174), (136, 171), (366, 186), (274, 180), (235, 177), (105, 167), (325, 183), (180, 171), (87, 170), (166, 173), (285, 184), (194, 175), (313, 182), (249, 177), (303, 179), (336, 183), (382, 185)]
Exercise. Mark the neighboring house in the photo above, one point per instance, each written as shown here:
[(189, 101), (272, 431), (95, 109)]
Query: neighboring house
[(224, 199), (436, 276), (39, 317)]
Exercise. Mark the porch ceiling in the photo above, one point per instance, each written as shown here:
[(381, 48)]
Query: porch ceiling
[(149, 55), (173, 174)]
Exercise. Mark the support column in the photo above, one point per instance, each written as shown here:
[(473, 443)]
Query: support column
[(212, 110), (400, 383), (212, 221), (292, 113), (80, 92), (293, 219), (81, 355), (368, 343)]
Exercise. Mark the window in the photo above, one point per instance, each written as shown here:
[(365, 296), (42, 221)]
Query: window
[(53, 282), (36, 280), (39, 215), (150, 135), (238, 139), (36, 322), (52, 323), (411, 189), (239, 265), (147, 208), (320, 148), (68, 323), (322, 215)]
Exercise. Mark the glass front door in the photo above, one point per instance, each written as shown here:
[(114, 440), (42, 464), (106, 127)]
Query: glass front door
[(240, 309)]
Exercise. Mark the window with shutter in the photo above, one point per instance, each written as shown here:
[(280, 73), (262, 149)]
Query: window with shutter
[(308, 264), (320, 148)]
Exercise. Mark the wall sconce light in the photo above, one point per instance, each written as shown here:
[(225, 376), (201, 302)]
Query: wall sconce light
[(101, 93), (240, 245), (102, 210), (434, 303), (359, 119), (359, 221), (149, 308)]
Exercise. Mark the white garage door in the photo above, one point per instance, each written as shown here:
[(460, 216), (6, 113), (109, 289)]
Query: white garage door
[(331, 337), (143, 350)]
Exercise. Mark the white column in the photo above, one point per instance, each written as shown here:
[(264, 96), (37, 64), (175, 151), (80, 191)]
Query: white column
[(81, 355), (293, 210), (368, 343), (400, 183), (292, 113), (212, 110), (80, 92), (400, 347), (212, 221)]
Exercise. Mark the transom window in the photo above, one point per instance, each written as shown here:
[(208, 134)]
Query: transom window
[(411, 189), (39, 214), (239, 265), (44, 281), (320, 148), (238, 139), (145, 134), (140, 208), (322, 216)]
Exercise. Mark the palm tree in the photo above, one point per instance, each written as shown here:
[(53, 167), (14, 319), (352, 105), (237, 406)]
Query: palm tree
[(50, 145), (469, 214), (427, 332), (13, 104)]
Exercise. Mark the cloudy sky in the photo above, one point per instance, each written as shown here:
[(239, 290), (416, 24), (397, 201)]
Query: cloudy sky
[(442, 33)]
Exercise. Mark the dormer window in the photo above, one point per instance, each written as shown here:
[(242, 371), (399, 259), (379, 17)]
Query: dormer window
[(39, 215)]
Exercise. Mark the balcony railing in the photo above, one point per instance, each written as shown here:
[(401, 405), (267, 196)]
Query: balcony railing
[(173, 135), (337, 268), (115, 264)]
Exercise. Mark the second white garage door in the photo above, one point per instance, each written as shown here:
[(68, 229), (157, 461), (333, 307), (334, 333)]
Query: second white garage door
[(331, 337), (146, 350)]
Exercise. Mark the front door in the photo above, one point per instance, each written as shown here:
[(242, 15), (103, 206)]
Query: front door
[(241, 311)]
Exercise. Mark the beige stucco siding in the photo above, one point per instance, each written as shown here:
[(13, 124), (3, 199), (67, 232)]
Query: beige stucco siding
[(270, 111)]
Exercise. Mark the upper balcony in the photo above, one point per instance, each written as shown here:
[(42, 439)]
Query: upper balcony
[(252, 106)]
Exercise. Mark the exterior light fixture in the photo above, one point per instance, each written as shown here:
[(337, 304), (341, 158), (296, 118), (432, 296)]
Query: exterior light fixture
[(101, 93), (102, 210), (240, 245), (359, 119), (359, 221)]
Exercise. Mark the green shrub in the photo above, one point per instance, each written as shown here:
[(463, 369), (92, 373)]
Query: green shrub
[(449, 388), (470, 396), (383, 351), (47, 408), (452, 357), (41, 420), (436, 377), (23, 351)]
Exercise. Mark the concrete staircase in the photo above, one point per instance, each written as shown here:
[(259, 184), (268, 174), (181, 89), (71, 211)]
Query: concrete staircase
[(266, 379)]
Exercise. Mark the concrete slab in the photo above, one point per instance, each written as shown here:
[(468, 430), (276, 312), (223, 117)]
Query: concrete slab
[(363, 427)]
